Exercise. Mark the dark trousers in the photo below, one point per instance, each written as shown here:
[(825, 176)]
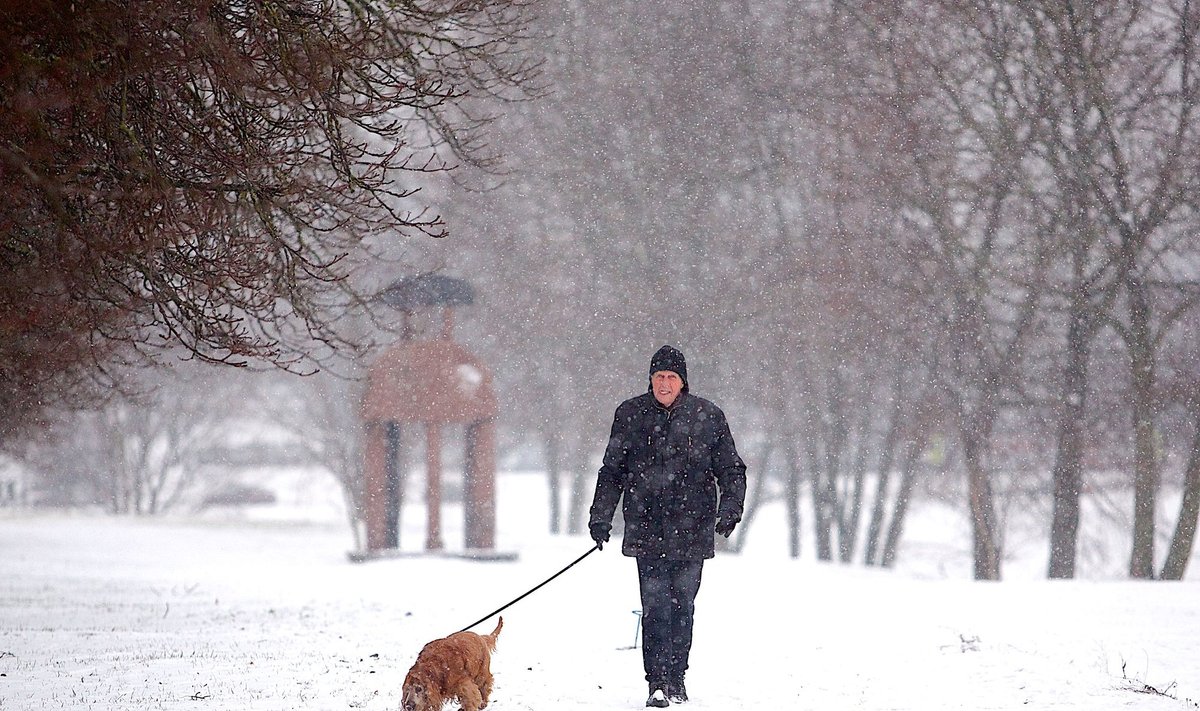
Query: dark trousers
[(669, 590)]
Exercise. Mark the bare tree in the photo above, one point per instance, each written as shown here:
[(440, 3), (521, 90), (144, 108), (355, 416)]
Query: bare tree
[(939, 83), (1116, 98), (322, 414), (187, 174), (1181, 388), (138, 454), (151, 445)]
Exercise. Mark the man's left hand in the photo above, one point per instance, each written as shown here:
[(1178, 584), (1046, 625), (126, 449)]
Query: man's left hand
[(725, 526)]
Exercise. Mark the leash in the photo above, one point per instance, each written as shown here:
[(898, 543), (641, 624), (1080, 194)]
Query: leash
[(532, 590)]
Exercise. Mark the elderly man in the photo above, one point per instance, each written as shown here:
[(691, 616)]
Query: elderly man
[(672, 459)]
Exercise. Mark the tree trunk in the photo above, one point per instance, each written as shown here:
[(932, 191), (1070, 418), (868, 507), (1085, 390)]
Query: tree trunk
[(886, 457), (822, 514), (982, 506), (119, 494), (1146, 472), (850, 506), (908, 478), (827, 469), (553, 451), (792, 500), (582, 485), (754, 498), (1180, 550), (1068, 462)]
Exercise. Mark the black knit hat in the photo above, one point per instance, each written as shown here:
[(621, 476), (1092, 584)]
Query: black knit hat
[(668, 358)]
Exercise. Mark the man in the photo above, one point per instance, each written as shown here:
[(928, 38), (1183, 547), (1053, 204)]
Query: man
[(669, 455)]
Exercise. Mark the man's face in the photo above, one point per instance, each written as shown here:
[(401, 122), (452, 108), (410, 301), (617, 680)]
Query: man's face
[(666, 385)]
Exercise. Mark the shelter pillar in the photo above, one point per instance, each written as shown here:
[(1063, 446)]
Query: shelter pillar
[(433, 486), (374, 500), (394, 484), (479, 496)]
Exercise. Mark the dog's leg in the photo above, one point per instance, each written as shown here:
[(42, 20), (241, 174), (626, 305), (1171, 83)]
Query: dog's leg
[(485, 690), (469, 696)]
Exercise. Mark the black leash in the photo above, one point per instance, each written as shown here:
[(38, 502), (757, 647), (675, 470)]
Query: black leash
[(535, 589)]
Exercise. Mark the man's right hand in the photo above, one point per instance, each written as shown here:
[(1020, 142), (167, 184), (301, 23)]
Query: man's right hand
[(599, 530)]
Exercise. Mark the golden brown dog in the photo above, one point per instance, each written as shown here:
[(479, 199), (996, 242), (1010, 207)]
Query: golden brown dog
[(455, 667)]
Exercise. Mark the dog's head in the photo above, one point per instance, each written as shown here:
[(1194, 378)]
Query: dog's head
[(420, 694), (417, 697)]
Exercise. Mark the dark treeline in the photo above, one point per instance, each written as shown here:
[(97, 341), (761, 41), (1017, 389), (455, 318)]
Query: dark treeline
[(905, 244)]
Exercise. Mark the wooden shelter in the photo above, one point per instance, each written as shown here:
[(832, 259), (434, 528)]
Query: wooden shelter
[(429, 382)]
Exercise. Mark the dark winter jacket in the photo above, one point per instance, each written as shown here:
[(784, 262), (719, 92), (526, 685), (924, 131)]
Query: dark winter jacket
[(669, 465)]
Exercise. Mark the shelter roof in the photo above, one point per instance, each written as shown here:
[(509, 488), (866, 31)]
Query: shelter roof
[(426, 290)]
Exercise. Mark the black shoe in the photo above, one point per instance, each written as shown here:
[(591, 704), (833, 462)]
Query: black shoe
[(658, 697), (676, 692)]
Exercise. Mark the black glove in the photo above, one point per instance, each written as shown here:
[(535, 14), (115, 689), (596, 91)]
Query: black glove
[(725, 524), (599, 530)]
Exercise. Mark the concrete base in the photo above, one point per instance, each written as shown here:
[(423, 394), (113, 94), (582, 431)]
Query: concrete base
[(479, 554)]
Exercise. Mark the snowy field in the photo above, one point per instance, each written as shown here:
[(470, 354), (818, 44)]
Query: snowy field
[(222, 614)]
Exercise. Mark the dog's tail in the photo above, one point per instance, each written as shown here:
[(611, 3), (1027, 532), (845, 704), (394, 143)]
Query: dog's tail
[(491, 638)]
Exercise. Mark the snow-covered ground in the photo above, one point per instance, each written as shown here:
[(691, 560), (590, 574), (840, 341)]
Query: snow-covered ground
[(225, 614)]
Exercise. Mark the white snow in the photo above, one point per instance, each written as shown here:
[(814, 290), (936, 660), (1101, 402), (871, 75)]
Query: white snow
[(106, 613), (469, 378)]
